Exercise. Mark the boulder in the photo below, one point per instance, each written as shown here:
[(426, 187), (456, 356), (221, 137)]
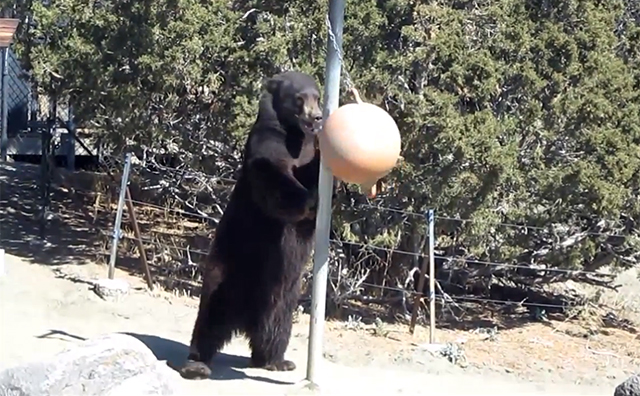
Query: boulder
[(1, 262), (115, 364), (630, 387), (111, 289)]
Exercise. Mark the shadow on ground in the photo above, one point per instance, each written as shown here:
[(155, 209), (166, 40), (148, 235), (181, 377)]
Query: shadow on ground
[(72, 232), (225, 366), (175, 354), (79, 226)]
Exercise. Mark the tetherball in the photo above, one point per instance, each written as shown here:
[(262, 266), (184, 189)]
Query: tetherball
[(360, 143)]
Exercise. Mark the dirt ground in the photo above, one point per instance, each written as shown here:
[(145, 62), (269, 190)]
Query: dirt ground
[(45, 309)]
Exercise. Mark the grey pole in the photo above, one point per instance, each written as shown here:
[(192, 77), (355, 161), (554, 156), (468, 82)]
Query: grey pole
[(431, 218), (4, 139), (323, 219), (118, 222), (71, 141)]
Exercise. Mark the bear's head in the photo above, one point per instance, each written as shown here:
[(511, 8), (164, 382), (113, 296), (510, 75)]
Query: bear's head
[(296, 101)]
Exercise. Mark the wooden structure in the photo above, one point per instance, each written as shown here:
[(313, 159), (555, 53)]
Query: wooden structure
[(8, 27)]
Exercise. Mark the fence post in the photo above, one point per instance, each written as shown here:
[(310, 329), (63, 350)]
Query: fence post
[(431, 219), (423, 273), (70, 142), (116, 227), (138, 235), (333, 64), (46, 135)]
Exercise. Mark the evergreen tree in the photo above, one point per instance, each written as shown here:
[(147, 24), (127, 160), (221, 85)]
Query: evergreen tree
[(511, 111)]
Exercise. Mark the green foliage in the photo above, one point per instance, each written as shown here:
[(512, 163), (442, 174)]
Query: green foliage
[(524, 112)]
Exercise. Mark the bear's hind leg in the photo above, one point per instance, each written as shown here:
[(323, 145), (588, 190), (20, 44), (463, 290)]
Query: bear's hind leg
[(269, 340), (207, 340), (214, 327)]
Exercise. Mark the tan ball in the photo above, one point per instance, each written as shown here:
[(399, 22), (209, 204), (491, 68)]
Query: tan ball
[(360, 143)]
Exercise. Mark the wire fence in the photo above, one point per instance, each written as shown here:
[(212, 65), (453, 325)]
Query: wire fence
[(21, 100), (379, 248), (443, 290), (493, 223), (443, 297), (17, 95)]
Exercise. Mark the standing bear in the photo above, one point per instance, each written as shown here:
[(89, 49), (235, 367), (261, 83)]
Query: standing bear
[(251, 278)]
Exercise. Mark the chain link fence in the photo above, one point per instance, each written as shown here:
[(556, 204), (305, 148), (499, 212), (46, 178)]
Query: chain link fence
[(26, 109), (18, 96)]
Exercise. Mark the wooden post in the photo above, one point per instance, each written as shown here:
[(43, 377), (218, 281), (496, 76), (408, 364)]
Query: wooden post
[(138, 236)]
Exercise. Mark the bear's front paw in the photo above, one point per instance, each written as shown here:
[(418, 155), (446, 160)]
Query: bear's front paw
[(195, 370), (313, 197), (311, 206), (311, 213), (283, 365)]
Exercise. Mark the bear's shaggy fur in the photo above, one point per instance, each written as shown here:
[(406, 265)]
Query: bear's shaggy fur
[(251, 279)]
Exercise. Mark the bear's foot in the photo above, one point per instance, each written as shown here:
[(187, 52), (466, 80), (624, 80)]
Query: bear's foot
[(283, 365), (195, 370)]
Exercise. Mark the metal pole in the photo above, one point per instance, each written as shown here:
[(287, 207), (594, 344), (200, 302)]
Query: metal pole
[(323, 220), (116, 226), (71, 142), (45, 168), (420, 286), (432, 276), (4, 139)]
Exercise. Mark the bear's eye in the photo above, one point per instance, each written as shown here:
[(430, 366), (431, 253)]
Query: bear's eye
[(299, 102)]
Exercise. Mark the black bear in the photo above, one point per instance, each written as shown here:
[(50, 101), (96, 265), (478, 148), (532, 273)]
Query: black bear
[(251, 278)]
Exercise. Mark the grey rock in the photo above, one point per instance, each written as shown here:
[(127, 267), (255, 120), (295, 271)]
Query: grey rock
[(111, 365), (111, 289), (2, 272), (630, 387)]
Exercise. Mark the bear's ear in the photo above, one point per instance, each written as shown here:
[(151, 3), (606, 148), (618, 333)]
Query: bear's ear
[(272, 85)]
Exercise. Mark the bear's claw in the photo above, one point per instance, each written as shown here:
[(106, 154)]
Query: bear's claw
[(284, 365), (195, 370)]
